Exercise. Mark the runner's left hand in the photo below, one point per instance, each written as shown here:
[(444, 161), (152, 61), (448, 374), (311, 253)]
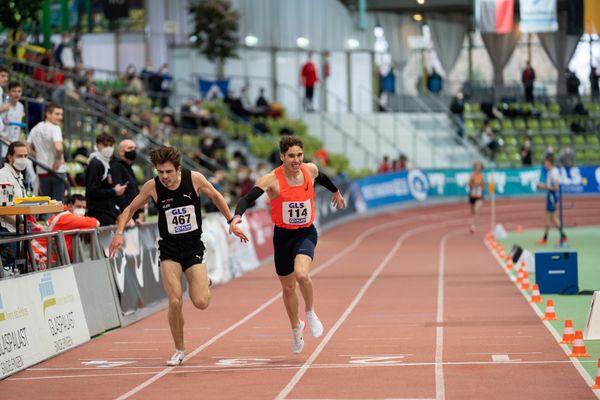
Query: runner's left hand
[(338, 200)]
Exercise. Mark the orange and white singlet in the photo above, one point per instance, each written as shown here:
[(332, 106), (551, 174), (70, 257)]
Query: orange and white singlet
[(294, 207)]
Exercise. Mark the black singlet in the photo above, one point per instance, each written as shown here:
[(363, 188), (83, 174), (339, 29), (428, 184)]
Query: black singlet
[(179, 214)]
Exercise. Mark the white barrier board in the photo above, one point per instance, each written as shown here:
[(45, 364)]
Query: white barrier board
[(40, 316)]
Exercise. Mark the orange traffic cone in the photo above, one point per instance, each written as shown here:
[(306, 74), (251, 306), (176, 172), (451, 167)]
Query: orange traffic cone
[(597, 384), (525, 283), (501, 254), (550, 313), (519, 228), (535, 294), (579, 346), (520, 276), (509, 263), (523, 264), (568, 333)]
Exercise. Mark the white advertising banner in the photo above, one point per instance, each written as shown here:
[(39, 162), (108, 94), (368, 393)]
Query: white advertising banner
[(538, 16), (40, 316)]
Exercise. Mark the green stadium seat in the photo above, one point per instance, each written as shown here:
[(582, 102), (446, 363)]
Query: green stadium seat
[(510, 140), (537, 140), (533, 124), (580, 157), (495, 125), (541, 107), (502, 159), (565, 139), (554, 109), (579, 140), (561, 126), (520, 125), (550, 140), (592, 140), (547, 126), (526, 108)]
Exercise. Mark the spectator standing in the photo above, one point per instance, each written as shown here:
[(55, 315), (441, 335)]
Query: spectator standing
[(165, 80), (567, 156), (384, 166), (457, 107), (528, 79), (434, 82), (123, 174), (4, 72), (309, 78), (526, 153), (595, 90), (572, 84), (101, 192), (12, 113), (45, 143)]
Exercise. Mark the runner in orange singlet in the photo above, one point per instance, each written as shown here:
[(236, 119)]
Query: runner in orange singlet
[(476, 187), (290, 188)]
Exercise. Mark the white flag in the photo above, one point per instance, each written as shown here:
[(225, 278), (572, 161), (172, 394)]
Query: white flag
[(538, 16)]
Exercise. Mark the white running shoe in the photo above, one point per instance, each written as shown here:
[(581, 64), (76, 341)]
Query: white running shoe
[(298, 339), (176, 359), (314, 323)]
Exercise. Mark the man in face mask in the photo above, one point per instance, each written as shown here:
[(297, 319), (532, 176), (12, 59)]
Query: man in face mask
[(15, 163), (72, 218), (123, 174), (101, 191)]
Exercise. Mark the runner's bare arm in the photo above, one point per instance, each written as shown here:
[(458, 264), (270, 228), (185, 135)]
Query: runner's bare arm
[(216, 197), (139, 201)]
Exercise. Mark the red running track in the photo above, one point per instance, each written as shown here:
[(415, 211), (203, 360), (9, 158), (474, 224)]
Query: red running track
[(414, 308)]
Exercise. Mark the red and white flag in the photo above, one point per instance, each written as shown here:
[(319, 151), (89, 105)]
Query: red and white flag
[(494, 16)]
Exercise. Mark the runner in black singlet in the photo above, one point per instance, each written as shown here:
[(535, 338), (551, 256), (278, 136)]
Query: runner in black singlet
[(176, 194)]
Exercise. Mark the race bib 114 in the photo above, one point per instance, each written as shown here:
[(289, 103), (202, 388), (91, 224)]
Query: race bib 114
[(296, 212), (181, 220)]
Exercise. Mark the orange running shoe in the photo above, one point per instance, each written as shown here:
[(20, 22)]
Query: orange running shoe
[(541, 242)]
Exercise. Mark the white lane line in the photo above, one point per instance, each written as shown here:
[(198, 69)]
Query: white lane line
[(133, 350), (577, 363), (186, 369), (382, 338), (296, 378), (251, 315), (440, 389)]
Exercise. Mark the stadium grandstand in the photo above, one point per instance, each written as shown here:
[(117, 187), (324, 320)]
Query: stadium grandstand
[(446, 153)]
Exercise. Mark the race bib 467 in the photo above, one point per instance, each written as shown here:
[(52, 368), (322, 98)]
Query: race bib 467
[(181, 220)]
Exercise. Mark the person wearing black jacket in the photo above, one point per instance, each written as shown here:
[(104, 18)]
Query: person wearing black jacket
[(122, 173), (101, 192)]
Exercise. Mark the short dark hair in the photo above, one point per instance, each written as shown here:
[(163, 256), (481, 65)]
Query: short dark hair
[(289, 141), (11, 149), (549, 158), (76, 197), (51, 107), (4, 68), (165, 154), (105, 138), (13, 84)]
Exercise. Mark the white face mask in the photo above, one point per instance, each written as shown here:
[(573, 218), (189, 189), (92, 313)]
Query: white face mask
[(107, 152), (80, 212), (20, 164)]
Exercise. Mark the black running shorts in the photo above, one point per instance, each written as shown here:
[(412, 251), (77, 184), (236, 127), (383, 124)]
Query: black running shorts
[(288, 243)]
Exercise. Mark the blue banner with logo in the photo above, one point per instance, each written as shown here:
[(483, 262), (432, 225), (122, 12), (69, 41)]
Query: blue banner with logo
[(391, 188), (212, 90)]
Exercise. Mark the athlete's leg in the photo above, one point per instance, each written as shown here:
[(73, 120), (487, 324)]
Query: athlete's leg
[(170, 272), (290, 298), (197, 278), (302, 268)]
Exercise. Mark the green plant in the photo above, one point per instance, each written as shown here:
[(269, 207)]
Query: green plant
[(215, 31)]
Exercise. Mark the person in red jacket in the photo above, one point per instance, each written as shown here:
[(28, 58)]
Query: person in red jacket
[(309, 78), (72, 218)]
